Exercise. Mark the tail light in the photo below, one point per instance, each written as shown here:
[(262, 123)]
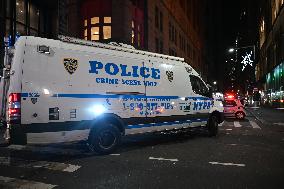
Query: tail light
[(14, 108)]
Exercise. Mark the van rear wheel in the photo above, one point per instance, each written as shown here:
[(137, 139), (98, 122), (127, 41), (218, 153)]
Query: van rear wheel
[(104, 138), (213, 126)]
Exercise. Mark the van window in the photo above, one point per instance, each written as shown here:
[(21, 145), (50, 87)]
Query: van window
[(198, 86)]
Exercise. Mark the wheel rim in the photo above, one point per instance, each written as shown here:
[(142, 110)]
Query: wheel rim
[(107, 139), (240, 115)]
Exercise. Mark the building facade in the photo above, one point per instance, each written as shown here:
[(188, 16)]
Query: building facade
[(164, 26), (27, 17), (270, 68)]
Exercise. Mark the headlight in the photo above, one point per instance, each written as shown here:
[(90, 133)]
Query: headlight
[(98, 109)]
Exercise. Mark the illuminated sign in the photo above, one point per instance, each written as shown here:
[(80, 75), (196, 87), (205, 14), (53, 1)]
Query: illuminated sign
[(247, 60)]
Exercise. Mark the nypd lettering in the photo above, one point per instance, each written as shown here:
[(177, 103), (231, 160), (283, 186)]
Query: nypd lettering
[(122, 70)]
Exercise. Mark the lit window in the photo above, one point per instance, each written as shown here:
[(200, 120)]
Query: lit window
[(95, 33), (95, 20), (85, 33), (132, 32), (85, 22), (132, 37), (107, 32), (107, 20)]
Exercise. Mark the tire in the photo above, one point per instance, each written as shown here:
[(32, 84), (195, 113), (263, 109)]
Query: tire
[(104, 138), (240, 115), (213, 126)]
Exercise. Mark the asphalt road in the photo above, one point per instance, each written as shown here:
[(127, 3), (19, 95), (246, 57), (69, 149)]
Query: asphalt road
[(246, 154)]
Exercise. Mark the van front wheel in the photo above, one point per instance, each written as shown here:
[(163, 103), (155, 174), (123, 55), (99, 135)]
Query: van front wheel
[(104, 138), (213, 126)]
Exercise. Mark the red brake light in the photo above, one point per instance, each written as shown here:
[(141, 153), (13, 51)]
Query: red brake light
[(14, 107)]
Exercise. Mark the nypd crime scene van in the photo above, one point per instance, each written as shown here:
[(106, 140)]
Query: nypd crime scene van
[(69, 89)]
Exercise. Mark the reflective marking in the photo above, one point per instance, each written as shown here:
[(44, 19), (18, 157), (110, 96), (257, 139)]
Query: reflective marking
[(254, 125), (237, 124), (228, 164), (221, 124), (162, 159), (114, 154), (281, 124), (229, 129), (14, 183), (55, 166)]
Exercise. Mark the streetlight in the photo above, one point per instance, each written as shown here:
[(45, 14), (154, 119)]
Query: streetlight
[(249, 46), (231, 50), (214, 82)]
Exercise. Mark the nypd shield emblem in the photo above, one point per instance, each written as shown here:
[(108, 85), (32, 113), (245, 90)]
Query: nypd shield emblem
[(70, 65), (34, 100), (170, 75)]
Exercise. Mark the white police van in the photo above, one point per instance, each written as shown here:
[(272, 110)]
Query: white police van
[(71, 89)]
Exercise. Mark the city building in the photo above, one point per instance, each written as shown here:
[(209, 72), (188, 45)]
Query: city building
[(163, 26), (26, 17), (270, 68)]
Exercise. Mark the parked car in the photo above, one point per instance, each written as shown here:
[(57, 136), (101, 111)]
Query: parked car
[(234, 108)]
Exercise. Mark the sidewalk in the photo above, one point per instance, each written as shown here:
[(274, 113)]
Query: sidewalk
[(267, 115)]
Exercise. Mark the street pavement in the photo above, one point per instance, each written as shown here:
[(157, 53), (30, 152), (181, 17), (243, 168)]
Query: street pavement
[(245, 154)]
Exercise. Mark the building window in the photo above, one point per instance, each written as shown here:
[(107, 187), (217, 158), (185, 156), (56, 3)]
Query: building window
[(21, 11), (20, 17), (172, 33), (99, 28), (136, 34), (132, 33), (159, 45), (158, 19), (34, 20), (262, 31)]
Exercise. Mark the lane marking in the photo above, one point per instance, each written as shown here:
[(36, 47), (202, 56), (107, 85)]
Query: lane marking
[(14, 183), (237, 124), (162, 159), (254, 125), (227, 164), (281, 124), (114, 154), (228, 129), (55, 166), (232, 144), (221, 124)]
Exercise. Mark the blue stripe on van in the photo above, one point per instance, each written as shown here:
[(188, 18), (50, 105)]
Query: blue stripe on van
[(118, 96), (165, 123)]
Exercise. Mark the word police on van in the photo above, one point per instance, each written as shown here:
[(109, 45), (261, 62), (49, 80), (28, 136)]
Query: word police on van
[(70, 89)]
